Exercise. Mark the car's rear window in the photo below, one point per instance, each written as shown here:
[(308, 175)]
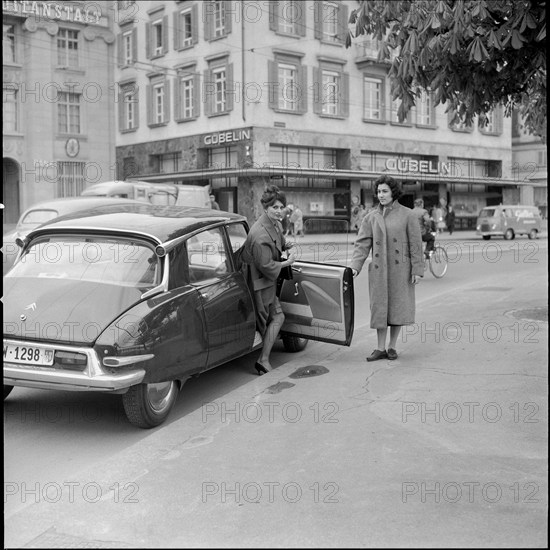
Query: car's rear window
[(92, 259), (36, 217)]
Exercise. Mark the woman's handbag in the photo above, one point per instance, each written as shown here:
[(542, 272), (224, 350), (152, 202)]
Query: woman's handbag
[(284, 275)]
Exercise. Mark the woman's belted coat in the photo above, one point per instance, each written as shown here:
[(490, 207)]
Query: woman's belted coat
[(393, 235)]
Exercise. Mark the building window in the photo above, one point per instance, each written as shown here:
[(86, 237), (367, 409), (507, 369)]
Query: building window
[(218, 87), (8, 44), (425, 110), (222, 157), (459, 125), (67, 48), (394, 113), (287, 17), (127, 47), (158, 101), (288, 92), (373, 99), (68, 108), (187, 95), (168, 163), (494, 123), (129, 107), (217, 19), (331, 89), (124, 4), (70, 180), (9, 110), (156, 36), (185, 27), (331, 21)]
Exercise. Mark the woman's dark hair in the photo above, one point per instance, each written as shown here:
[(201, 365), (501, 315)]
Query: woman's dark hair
[(271, 195), (391, 183)]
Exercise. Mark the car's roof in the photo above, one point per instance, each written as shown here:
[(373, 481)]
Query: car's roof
[(162, 223)]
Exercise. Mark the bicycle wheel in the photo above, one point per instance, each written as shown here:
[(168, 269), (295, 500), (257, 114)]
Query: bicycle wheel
[(439, 262)]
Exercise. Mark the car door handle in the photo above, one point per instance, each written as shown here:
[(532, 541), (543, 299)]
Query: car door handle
[(296, 289)]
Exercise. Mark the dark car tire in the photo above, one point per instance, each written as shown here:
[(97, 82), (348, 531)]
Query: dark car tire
[(7, 390), (533, 234), (509, 235), (294, 344), (486, 237), (148, 405)]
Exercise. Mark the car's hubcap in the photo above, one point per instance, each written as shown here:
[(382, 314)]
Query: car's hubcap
[(160, 395)]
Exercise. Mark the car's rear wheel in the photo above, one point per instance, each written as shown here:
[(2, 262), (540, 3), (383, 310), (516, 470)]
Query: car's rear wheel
[(509, 235), (486, 237), (533, 234), (148, 405), (294, 343), (7, 390)]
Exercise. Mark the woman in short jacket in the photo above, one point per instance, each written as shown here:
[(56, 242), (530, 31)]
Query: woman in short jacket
[(262, 253)]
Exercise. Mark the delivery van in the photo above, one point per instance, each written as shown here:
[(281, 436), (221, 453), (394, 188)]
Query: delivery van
[(509, 220), (193, 195)]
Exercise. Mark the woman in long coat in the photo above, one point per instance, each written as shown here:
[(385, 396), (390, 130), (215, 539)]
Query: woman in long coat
[(392, 232), (262, 253)]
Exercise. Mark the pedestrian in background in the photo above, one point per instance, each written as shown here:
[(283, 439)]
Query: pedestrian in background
[(263, 249), (392, 232), (286, 221), (424, 222), (213, 204), (297, 220), (450, 219), (438, 214)]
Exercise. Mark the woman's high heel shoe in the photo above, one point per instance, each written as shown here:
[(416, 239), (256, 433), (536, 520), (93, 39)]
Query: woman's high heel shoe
[(260, 368)]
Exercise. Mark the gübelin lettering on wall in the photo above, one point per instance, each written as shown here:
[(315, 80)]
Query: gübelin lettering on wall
[(419, 166), (53, 11), (230, 136)]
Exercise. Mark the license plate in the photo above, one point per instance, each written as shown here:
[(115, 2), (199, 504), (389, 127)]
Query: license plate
[(28, 355)]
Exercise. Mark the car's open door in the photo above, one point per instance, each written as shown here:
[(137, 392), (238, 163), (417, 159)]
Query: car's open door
[(318, 303)]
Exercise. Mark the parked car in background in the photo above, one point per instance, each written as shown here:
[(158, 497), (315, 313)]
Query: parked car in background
[(509, 220), (45, 211), (140, 299), (154, 193)]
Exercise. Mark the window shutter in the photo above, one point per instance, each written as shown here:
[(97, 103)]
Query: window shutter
[(228, 14), (149, 104), (301, 21), (120, 55), (274, 16), (177, 31), (342, 23), (207, 92), (148, 40), (178, 112), (230, 90), (134, 46), (165, 34), (318, 19), (272, 85), (207, 18), (166, 106), (137, 103), (196, 94), (343, 107), (195, 23), (317, 90), (121, 109), (302, 99)]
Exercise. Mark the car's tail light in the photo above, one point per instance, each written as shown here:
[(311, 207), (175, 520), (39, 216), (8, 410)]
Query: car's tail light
[(71, 360)]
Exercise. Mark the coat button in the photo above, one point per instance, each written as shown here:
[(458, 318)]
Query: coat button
[(376, 267), (396, 261), (376, 255), (397, 251), (378, 243), (394, 240)]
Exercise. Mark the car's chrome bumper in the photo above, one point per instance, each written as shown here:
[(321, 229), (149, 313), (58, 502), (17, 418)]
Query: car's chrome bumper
[(93, 378)]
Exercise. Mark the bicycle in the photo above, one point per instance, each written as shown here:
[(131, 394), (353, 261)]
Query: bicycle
[(438, 261)]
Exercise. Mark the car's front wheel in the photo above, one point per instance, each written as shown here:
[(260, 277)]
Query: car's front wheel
[(533, 234), (294, 343), (7, 390), (148, 405), (509, 235)]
